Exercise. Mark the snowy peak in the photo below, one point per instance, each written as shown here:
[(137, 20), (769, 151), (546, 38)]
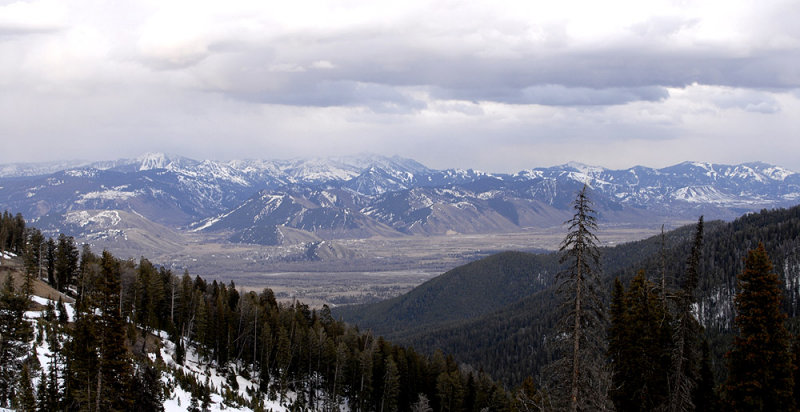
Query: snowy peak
[(150, 161)]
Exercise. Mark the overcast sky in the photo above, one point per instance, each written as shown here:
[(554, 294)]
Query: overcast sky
[(498, 86)]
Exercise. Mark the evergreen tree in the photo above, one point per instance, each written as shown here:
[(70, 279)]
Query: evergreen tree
[(450, 391), (26, 400), (41, 395), (581, 377), (88, 272), (704, 397), (114, 375), (760, 368), (148, 393), (81, 354), (3, 240), (66, 262), (15, 333), (422, 404), (639, 342), (391, 386), (50, 261), (687, 331), (149, 294), (34, 252)]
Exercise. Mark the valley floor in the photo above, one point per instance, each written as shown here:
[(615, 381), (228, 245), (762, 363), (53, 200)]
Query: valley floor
[(357, 270)]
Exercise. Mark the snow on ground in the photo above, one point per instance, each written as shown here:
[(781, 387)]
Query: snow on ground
[(8, 255), (179, 399), (43, 301), (203, 372)]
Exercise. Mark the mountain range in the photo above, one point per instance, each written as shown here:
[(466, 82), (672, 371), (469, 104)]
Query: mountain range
[(274, 201)]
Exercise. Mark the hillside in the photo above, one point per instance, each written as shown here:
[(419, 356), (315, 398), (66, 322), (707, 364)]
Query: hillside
[(466, 292), (485, 286), (508, 340), (127, 343)]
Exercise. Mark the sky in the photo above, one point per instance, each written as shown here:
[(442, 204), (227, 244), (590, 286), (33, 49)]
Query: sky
[(493, 85)]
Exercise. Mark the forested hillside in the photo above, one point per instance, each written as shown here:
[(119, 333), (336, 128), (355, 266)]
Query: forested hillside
[(488, 285), (133, 335), (466, 292), (506, 338)]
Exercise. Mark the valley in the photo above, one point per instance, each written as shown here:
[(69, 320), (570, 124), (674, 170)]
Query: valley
[(356, 270)]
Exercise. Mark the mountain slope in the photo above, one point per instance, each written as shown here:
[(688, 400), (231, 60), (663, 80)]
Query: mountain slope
[(465, 292), (508, 341)]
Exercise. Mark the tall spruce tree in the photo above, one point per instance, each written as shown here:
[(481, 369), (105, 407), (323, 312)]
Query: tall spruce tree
[(581, 377), (760, 368)]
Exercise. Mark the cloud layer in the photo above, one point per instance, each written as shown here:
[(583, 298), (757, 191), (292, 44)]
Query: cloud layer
[(496, 85)]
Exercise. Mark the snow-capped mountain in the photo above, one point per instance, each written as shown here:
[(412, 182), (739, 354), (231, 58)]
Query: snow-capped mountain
[(361, 196)]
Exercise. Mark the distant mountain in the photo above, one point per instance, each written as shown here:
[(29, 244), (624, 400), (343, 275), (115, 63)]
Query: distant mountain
[(332, 213), (368, 195), (457, 201)]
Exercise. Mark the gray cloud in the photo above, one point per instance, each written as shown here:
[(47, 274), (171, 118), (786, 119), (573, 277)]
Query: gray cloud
[(464, 83), (613, 75)]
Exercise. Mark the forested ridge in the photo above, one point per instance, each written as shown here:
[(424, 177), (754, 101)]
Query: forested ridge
[(107, 354), (508, 341)]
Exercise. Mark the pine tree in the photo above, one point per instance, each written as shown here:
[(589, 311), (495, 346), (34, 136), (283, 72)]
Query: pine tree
[(66, 262), (704, 397), (391, 386), (450, 391), (639, 342), (687, 331), (34, 252), (15, 333), (581, 377), (50, 261), (81, 353), (760, 368), (115, 372), (41, 395), (26, 401), (148, 393)]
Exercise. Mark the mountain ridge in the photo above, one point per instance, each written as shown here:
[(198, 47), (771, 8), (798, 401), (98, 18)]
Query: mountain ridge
[(369, 195)]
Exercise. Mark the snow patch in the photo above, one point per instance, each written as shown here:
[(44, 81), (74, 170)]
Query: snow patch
[(8, 255), (105, 218), (110, 194)]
